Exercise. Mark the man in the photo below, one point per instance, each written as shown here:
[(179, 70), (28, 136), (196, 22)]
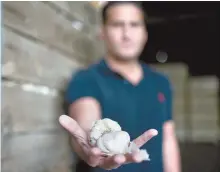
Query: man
[(123, 89)]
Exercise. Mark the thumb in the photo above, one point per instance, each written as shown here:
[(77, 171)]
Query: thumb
[(72, 127)]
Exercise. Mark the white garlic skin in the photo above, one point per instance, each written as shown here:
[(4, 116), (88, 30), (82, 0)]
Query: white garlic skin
[(114, 142), (108, 136), (100, 127), (111, 125)]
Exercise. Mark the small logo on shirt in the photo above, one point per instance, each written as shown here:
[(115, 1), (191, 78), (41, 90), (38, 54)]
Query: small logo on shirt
[(161, 97)]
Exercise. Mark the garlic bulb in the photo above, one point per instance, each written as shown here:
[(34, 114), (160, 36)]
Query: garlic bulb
[(108, 136), (114, 142), (101, 127)]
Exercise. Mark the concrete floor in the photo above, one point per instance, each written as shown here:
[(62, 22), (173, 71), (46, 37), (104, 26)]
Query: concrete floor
[(200, 157)]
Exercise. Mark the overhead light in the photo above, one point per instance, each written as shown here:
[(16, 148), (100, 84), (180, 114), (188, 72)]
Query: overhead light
[(162, 56)]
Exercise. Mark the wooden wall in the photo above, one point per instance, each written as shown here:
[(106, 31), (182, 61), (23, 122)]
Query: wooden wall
[(44, 44)]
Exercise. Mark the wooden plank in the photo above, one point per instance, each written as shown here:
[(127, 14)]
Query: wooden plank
[(174, 70), (179, 123), (179, 106), (82, 10), (206, 106), (210, 117), (179, 117), (180, 134), (37, 63), (76, 9), (180, 128), (208, 100), (205, 124), (204, 86), (40, 21), (179, 89), (31, 108), (6, 129), (38, 153), (205, 135)]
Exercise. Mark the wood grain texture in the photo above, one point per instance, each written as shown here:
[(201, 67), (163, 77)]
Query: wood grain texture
[(29, 110), (34, 62), (42, 22), (44, 44), (175, 70), (38, 153), (82, 10), (205, 135), (205, 124), (205, 105), (203, 87)]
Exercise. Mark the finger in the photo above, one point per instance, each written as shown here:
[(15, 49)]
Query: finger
[(94, 157), (119, 159), (133, 158), (73, 127), (96, 152), (146, 136), (112, 162), (78, 134)]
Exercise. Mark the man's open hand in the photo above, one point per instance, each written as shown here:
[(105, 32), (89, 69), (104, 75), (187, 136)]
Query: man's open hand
[(93, 155)]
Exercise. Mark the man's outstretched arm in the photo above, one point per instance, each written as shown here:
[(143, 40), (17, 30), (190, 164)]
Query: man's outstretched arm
[(171, 153), (83, 97)]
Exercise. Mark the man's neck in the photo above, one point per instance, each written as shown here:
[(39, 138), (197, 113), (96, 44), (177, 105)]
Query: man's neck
[(122, 65), (131, 70)]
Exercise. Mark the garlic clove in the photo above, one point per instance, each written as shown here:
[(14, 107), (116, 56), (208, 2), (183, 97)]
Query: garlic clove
[(116, 142), (101, 145), (111, 125), (94, 136), (99, 125)]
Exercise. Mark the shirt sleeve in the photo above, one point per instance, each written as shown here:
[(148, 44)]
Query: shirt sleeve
[(81, 85)]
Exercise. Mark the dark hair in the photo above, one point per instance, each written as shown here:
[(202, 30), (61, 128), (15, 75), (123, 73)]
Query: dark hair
[(112, 3)]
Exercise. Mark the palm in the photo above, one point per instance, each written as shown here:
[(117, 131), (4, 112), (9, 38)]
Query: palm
[(94, 156)]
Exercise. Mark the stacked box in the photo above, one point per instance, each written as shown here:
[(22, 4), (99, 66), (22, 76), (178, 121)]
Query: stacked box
[(204, 108)]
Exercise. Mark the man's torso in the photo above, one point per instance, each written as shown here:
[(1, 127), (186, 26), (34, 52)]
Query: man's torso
[(136, 108)]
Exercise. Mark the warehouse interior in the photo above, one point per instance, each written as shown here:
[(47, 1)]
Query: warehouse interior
[(46, 42)]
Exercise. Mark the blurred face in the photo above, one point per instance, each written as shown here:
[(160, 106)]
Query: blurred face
[(124, 33)]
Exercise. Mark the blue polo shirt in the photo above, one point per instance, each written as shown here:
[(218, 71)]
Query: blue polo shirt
[(136, 108)]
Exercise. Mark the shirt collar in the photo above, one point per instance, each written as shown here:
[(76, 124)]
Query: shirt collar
[(107, 70)]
